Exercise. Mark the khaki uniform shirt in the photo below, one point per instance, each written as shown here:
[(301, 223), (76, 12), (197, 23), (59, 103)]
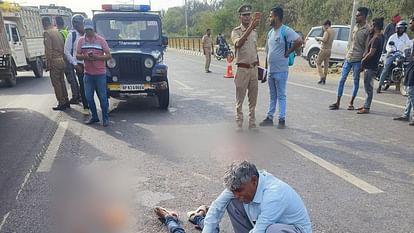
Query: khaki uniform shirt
[(207, 42), (328, 38), (248, 52), (359, 43), (54, 45)]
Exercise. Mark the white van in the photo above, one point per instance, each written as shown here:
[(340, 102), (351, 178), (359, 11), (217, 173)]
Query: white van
[(311, 46)]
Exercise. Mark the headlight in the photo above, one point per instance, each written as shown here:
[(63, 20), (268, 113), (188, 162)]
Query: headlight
[(111, 63), (156, 54), (148, 63)]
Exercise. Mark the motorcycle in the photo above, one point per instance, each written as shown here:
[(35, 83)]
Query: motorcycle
[(398, 69), (223, 51)]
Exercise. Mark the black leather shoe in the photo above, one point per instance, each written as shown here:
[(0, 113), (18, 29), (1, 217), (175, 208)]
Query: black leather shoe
[(266, 122), (74, 101), (281, 124), (67, 105), (400, 118), (59, 108), (91, 121)]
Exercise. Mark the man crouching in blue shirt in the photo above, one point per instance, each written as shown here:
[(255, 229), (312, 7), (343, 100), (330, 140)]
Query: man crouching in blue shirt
[(257, 202)]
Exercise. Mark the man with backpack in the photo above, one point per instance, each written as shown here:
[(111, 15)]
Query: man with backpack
[(281, 44), (69, 73), (70, 52)]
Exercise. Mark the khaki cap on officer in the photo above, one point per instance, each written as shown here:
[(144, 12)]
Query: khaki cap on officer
[(245, 9)]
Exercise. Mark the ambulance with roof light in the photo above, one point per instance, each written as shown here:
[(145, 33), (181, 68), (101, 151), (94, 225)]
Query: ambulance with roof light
[(134, 35)]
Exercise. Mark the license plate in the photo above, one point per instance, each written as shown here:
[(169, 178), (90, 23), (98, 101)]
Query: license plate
[(132, 87)]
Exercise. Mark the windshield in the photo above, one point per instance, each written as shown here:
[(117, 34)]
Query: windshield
[(128, 29)]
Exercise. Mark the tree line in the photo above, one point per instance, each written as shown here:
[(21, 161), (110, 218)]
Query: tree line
[(221, 16)]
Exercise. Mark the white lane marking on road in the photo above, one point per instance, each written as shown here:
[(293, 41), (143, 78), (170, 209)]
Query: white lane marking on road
[(26, 178), (4, 220), (334, 169), (53, 148), (334, 92), (185, 86)]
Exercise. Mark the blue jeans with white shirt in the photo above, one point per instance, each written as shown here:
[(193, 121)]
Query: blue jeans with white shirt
[(277, 90)]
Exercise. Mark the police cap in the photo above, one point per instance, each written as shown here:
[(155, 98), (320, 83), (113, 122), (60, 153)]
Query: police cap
[(245, 9)]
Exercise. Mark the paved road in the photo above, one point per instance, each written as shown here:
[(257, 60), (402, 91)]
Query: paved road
[(355, 173)]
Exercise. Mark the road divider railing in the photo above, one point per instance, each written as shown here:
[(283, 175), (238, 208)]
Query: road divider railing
[(185, 43)]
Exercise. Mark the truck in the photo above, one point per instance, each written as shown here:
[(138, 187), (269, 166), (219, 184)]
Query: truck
[(52, 11), (134, 35), (21, 42)]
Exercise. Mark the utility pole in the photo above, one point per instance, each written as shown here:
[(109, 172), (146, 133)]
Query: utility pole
[(354, 10), (186, 18)]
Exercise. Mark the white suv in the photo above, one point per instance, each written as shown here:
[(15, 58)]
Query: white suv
[(311, 46)]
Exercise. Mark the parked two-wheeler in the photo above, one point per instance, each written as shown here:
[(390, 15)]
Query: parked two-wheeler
[(398, 69)]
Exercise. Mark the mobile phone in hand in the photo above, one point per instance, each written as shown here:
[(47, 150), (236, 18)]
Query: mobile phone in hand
[(257, 15)]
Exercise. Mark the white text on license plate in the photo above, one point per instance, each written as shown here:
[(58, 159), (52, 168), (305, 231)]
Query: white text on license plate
[(132, 87)]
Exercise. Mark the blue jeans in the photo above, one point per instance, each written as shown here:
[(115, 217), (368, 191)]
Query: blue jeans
[(174, 226), (97, 83), (355, 66), (387, 68), (410, 102), (277, 90), (369, 76)]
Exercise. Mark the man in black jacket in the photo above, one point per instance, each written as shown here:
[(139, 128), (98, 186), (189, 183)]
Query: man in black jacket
[(409, 82)]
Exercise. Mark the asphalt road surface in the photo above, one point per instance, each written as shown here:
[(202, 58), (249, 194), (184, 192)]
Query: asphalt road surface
[(355, 173)]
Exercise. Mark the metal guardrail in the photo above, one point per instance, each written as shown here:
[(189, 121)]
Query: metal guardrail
[(185, 43)]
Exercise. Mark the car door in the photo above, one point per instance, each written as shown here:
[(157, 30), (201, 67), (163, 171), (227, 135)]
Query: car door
[(17, 46), (340, 43)]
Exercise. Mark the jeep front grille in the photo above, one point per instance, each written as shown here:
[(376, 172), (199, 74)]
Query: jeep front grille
[(130, 67)]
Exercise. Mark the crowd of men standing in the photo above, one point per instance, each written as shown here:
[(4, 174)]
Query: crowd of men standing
[(368, 41), (80, 54)]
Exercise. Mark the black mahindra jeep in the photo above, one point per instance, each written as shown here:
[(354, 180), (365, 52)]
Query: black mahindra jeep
[(137, 45)]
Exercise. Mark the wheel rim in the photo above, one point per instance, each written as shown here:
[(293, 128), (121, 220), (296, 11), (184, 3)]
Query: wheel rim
[(312, 59)]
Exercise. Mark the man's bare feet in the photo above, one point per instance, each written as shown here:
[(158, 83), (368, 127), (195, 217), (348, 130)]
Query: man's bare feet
[(163, 213), (200, 211)]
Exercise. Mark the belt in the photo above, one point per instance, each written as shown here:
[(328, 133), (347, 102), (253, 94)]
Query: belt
[(247, 66)]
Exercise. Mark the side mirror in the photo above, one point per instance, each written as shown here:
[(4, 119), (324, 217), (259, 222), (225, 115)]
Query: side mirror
[(164, 41)]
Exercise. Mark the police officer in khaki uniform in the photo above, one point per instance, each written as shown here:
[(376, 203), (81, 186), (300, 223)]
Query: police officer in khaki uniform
[(207, 43), (54, 50), (244, 38), (325, 52)]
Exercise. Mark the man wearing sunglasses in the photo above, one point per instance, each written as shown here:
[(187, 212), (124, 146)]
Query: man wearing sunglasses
[(244, 38), (356, 49)]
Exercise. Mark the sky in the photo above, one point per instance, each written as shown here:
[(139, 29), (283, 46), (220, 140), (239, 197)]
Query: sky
[(88, 5)]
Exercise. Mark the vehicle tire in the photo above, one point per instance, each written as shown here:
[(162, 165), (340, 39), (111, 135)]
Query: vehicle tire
[(164, 99), (37, 67), (11, 81), (313, 57), (217, 56)]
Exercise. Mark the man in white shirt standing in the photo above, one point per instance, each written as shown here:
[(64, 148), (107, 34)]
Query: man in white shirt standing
[(401, 42), (70, 52)]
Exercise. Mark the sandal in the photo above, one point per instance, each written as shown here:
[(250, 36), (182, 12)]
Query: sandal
[(334, 106), (359, 109), (363, 111), (163, 213), (351, 107)]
